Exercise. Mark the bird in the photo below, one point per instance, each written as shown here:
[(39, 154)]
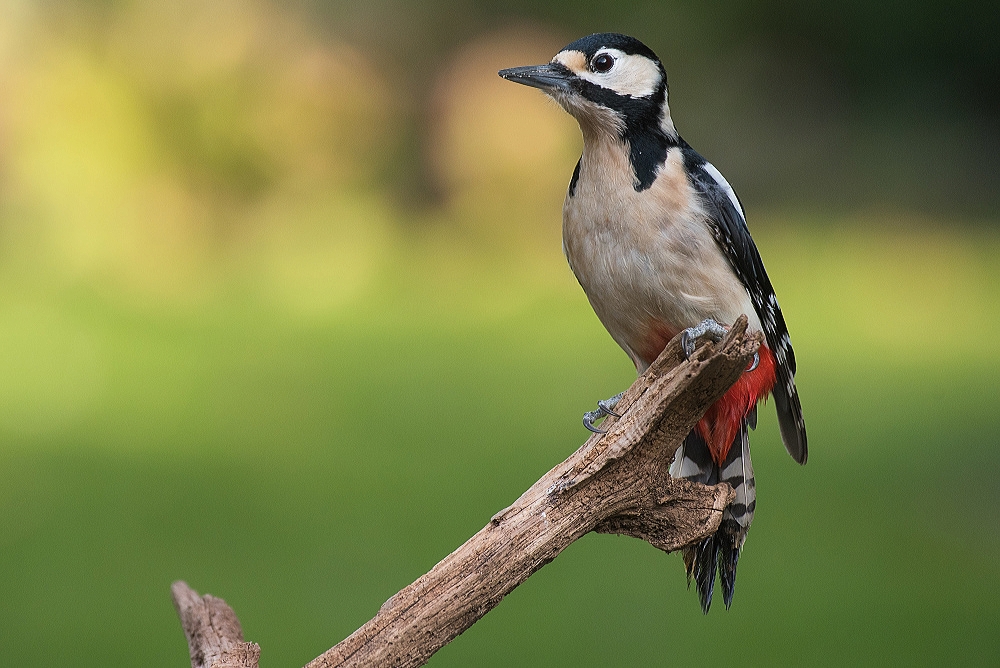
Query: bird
[(659, 242)]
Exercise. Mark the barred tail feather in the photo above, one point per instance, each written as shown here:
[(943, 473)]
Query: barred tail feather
[(721, 551), (737, 470)]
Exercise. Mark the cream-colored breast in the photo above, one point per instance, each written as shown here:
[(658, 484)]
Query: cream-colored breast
[(646, 260)]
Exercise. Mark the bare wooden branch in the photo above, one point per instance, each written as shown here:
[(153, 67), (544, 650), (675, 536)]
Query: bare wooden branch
[(214, 634), (616, 482)]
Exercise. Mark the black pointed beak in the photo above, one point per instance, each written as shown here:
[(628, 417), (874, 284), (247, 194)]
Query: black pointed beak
[(549, 77)]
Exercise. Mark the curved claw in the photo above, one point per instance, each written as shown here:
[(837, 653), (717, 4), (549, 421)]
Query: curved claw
[(707, 327), (687, 343), (754, 364), (605, 407), (588, 421)]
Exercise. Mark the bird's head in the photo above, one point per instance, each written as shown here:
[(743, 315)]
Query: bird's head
[(610, 83)]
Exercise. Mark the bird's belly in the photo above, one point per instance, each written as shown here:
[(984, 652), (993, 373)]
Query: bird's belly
[(646, 284)]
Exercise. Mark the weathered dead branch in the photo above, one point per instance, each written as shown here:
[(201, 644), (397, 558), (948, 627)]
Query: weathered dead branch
[(615, 483), (213, 632)]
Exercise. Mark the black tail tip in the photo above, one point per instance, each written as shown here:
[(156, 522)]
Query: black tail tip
[(729, 557), (715, 554), (705, 564)]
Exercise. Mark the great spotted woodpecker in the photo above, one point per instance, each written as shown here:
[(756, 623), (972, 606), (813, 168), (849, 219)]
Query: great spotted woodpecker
[(658, 240)]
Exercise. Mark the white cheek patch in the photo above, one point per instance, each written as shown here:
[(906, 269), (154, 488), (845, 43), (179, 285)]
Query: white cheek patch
[(632, 75), (724, 184)]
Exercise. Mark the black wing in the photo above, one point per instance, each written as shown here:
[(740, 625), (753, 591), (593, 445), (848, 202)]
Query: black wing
[(730, 230)]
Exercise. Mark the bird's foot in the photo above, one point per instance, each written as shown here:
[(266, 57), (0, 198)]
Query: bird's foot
[(605, 408), (707, 328)]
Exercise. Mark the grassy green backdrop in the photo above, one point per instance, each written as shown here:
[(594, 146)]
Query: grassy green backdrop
[(285, 316), (307, 470)]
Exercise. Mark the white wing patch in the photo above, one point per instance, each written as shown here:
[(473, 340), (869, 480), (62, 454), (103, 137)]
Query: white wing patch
[(724, 184)]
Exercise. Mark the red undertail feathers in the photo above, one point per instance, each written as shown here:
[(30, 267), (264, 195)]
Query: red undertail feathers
[(721, 423)]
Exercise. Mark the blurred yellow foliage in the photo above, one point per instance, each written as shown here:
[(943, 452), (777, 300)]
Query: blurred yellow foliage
[(183, 151), (152, 145)]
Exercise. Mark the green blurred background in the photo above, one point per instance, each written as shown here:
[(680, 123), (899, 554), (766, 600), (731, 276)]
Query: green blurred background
[(283, 313)]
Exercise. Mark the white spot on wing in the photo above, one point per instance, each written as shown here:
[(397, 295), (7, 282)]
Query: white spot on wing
[(724, 184)]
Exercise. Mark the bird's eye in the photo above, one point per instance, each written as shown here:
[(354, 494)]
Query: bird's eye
[(602, 62)]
